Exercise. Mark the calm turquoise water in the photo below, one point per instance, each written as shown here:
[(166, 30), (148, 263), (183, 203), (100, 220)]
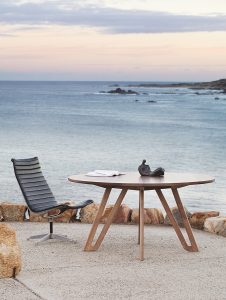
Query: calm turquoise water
[(75, 129)]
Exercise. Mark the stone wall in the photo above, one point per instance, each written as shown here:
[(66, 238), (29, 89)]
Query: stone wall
[(208, 220)]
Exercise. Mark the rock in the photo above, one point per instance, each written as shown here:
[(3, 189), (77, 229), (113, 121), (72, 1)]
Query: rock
[(198, 218), (123, 92), (1, 216), (154, 216), (123, 215), (88, 213), (69, 216), (177, 216), (13, 212), (132, 92), (216, 225), (135, 215), (216, 98), (151, 216), (151, 101), (37, 218), (10, 255)]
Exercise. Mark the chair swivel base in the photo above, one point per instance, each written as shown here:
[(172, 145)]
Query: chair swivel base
[(50, 236)]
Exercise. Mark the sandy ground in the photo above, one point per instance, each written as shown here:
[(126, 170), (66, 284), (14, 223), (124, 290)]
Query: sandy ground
[(61, 270)]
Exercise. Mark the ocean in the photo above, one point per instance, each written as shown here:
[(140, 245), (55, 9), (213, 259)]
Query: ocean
[(73, 129)]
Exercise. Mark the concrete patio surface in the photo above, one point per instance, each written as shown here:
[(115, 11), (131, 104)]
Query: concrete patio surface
[(62, 270)]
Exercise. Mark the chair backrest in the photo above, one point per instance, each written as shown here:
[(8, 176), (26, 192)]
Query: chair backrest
[(33, 185)]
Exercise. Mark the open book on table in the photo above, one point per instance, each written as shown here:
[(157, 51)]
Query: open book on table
[(104, 173)]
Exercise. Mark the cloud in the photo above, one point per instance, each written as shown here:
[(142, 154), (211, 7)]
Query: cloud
[(107, 19), (7, 35)]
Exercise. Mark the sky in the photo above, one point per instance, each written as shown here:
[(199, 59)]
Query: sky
[(140, 40)]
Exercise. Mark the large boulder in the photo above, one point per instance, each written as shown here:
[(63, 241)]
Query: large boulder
[(151, 216), (10, 255), (1, 215), (88, 213), (123, 215), (37, 217), (177, 216), (197, 219), (216, 225), (13, 212), (68, 216)]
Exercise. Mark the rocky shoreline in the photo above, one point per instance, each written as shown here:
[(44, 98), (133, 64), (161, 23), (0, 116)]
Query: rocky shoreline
[(211, 85), (210, 221)]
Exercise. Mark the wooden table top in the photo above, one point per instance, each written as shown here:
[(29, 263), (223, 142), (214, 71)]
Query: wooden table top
[(133, 180)]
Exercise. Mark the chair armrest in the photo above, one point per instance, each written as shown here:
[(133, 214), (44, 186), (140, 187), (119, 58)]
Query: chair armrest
[(65, 206), (78, 205)]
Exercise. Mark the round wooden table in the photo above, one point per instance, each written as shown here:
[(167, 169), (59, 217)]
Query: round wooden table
[(133, 181)]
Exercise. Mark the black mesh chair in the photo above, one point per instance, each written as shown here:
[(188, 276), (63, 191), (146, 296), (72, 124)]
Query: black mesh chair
[(38, 196)]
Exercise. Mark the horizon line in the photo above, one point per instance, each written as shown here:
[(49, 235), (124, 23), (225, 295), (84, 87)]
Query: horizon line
[(62, 80)]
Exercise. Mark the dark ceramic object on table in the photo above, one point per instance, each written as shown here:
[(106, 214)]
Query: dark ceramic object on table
[(145, 170)]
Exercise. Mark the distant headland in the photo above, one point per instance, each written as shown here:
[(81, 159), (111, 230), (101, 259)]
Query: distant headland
[(211, 85)]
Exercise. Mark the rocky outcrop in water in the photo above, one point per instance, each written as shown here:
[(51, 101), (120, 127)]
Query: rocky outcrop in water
[(151, 101), (121, 91)]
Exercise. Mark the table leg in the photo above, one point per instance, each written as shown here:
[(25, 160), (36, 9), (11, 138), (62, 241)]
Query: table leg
[(186, 222), (193, 247), (141, 223), (88, 245), (110, 219)]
